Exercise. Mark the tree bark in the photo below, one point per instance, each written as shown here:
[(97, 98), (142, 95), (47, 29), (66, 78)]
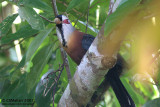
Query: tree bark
[(100, 57), (88, 76)]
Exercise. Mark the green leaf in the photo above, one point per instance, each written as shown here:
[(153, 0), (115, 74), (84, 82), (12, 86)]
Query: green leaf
[(10, 88), (19, 86), (20, 65), (36, 43), (146, 89), (2, 83), (24, 32), (72, 65), (77, 3), (6, 24), (4, 73), (104, 7), (39, 61), (32, 17), (58, 59), (36, 4), (90, 30), (121, 12), (153, 103), (1, 1)]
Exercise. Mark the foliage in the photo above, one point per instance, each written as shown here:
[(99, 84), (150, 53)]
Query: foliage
[(41, 53), (6, 24)]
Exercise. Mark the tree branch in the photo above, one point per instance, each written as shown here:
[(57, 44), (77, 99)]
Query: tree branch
[(100, 57), (104, 86), (46, 19), (54, 7)]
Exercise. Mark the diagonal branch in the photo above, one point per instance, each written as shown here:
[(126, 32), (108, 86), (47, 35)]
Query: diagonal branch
[(100, 57)]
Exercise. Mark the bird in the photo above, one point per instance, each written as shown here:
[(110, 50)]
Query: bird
[(76, 44)]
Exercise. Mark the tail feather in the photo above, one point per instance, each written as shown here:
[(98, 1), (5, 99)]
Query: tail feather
[(120, 91)]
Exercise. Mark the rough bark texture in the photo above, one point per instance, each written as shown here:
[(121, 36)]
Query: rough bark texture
[(89, 73), (103, 87), (100, 57)]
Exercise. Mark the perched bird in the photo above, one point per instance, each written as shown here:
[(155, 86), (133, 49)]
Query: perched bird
[(76, 44)]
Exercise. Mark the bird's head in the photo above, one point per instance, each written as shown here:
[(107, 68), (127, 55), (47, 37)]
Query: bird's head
[(64, 28), (61, 19)]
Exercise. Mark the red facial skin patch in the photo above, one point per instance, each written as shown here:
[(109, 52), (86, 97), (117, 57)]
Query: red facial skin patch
[(66, 21)]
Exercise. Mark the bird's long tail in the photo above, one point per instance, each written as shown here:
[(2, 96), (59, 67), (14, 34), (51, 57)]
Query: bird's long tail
[(121, 93)]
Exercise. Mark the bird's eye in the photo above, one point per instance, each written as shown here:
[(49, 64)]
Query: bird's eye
[(66, 21)]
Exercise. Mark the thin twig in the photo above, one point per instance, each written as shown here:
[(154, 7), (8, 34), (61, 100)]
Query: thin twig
[(46, 19), (54, 89), (77, 20), (67, 6), (56, 79), (74, 10), (87, 16), (55, 83), (154, 58), (14, 45), (65, 59), (111, 7), (54, 7)]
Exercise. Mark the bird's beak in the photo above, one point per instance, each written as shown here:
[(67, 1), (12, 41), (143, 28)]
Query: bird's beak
[(57, 21)]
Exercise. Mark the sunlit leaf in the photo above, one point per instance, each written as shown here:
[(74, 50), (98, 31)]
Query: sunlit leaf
[(103, 12), (24, 32), (32, 17), (39, 61), (5, 25), (121, 12), (36, 43)]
